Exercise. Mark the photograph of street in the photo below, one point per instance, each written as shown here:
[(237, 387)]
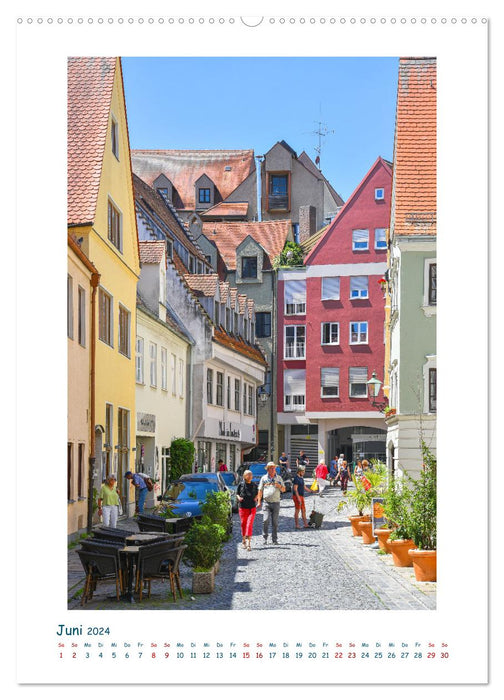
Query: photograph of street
[(251, 324)]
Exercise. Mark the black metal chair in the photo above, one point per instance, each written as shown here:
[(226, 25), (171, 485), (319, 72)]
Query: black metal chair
[(158, 563), (100, 566), (112, 534)]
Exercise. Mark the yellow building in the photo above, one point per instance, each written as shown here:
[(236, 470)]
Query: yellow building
[(101, 216)]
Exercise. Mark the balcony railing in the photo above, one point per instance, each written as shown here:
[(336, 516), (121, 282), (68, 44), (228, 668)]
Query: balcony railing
[(278, 201)]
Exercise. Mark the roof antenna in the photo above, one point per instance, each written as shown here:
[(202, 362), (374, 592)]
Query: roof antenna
[(321, 131)]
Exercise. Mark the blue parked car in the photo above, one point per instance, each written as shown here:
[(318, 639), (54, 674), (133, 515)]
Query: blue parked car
[(231, 481), (258, 470), (186, 496)]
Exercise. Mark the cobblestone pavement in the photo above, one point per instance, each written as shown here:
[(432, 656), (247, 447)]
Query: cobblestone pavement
[(326, 568)]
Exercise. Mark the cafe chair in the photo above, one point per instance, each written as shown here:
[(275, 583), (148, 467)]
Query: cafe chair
[(112, 534), (159, 565), (100, 566)]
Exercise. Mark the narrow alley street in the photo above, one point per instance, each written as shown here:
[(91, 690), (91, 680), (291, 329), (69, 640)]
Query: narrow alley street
[(324, 569)]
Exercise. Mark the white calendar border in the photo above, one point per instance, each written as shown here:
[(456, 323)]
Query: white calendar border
[(455, 73)]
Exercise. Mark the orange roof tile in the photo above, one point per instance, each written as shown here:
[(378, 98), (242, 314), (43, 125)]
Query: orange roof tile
[(203, 285), (233, 293), (227, 236), (226, 210), (242, 301), (415, 202), (90, 83), (152, 251), (226, 169), (225, 288), (239, 345)]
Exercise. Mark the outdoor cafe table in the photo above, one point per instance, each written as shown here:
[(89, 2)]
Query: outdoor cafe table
[(130, 550)]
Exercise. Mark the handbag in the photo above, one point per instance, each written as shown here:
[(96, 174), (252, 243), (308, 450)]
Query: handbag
[(314, 486), (149, 484)]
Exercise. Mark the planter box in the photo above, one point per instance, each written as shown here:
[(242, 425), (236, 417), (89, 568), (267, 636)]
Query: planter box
[(203, 581), (424, 564)]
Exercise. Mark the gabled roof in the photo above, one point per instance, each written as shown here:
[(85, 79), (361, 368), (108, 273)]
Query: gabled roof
[(90, 85), (154, 203), (203, 285), (414, 211), (348, 205), (226, 210), (227, 236), (152, 251), (305, 160), (226, 169), (239, 345)]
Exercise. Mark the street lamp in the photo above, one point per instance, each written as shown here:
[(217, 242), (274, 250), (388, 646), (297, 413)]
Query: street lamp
[(262, 395), (374, 385)]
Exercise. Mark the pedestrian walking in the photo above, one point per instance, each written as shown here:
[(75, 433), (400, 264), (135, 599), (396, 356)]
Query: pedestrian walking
[(270, 487), (358, 470), (298, 496), (246, 494), (344, 475), (321, 475), (333, 471), (140, 486), (108, 501)]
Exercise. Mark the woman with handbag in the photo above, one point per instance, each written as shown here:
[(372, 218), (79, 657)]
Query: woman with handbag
[(246, 494), (108, 501)]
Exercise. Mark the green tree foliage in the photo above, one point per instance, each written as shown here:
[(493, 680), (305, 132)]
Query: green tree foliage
[(291, 256), (182, 453), (204, 542), (217, 508)]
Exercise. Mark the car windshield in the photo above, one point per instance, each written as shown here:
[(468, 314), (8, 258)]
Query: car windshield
[(229, 478), (189, 491)]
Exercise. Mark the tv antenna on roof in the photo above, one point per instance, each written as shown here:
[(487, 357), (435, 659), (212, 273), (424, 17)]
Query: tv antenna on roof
[(322, 131)]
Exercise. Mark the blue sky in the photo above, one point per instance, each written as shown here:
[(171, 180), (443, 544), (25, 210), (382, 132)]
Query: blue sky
[(228, 103)]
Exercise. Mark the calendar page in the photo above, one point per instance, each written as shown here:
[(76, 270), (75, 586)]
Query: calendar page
[(318, 95)]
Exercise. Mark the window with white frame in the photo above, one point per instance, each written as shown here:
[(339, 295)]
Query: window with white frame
[(295, 297), (295, 342), (359, 287), (432, 389), (124, 331), (250, 400), (228, 393), (379, 193), (105, 317), (70, 314), (139, 360), (153, 363), (181, 377), (219, 400), (81, 330), (360, 239), (173, 368), (432, 284), (164, 369), (330, 288), (330, 333), (294, 389), (244, 398), (380, 239), (358, 332), (357, 378), (209, 385), (236, 394), (329, 382)]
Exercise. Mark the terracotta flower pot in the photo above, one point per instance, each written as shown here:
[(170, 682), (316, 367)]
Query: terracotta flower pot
[(424, 564), (366, 528), (355, 521), (383, 534), (400, 551)]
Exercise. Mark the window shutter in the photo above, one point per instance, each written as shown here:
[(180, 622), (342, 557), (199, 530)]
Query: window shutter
[(330, 287), (295, 292), (359, 285), (358, 375), (329, 376), (295, 381)]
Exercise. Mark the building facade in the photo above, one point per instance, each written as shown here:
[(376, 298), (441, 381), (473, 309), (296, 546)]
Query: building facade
[(332, 331), (412, 274), (101, 215)]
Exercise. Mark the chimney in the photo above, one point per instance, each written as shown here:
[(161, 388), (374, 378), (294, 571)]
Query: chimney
[(307, 222)]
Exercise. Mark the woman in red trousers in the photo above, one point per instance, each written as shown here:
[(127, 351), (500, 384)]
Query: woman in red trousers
[(247, 498)]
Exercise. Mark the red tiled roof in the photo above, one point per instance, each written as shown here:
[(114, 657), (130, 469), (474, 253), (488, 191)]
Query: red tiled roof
[(153, 201), (226, 210), (227, 236), (242, 301), (183, 168), (90, 84), (152, 251), (204, 285), (224, 291), (239, 345), (415, 148), (233, 292)]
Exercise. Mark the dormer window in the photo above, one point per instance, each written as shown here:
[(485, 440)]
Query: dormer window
[(249, 267), (204, 195)]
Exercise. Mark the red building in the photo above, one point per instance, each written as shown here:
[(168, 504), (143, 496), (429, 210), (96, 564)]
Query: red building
[(331, 330)]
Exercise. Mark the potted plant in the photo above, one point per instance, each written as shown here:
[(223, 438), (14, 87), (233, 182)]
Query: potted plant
[(423, 519), (397, 508), (204, 542), (365, 489), (389, 411)]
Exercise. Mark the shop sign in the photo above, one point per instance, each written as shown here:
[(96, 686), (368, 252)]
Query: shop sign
[(146, 422), (369, 437), (227, 430)]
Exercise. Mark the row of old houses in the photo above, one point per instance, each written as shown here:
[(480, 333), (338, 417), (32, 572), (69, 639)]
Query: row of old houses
[(185, 319)]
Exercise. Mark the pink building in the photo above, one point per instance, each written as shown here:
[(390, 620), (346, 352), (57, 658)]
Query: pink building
[(331, 331)]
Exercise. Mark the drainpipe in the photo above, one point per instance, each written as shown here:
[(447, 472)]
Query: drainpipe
[(95, 279), (259, 159), (273, 365), (190, 412)]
